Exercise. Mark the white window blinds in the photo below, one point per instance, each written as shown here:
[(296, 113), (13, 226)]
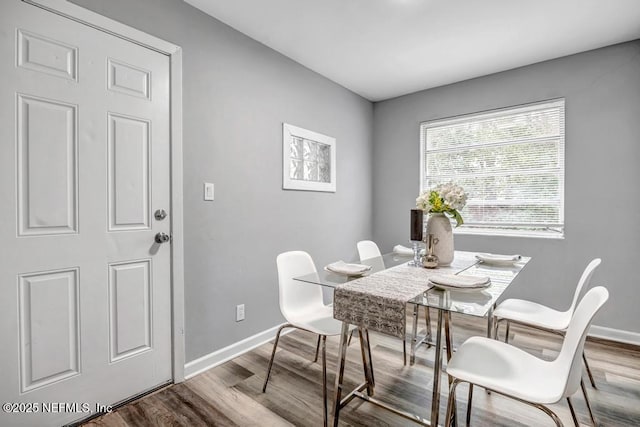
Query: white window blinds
[(509, 161)]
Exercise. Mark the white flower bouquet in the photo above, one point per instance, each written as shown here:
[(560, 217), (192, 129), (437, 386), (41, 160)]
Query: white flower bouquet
[(446, 198)]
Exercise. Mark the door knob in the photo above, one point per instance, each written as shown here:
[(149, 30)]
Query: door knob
[(162, 238)]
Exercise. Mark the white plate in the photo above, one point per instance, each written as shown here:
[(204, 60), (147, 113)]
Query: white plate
[(341, 273), (498, 260), (461, 288), (459, 282), (349, 270)]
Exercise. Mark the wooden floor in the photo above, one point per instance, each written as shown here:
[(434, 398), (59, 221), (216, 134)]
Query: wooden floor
[(231, 394)]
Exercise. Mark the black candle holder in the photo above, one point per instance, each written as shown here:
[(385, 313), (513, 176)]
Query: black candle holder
[(416, 233)]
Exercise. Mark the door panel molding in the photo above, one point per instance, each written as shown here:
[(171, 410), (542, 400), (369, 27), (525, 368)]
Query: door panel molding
[(102, 23), (47, 164), (128, 79), (130, 301), (128, 172), (49, 319), (39, 53)]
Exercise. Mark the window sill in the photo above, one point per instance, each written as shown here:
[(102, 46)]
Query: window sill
[(491, 232)]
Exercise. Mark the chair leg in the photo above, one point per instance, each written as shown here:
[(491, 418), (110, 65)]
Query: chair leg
[(325, 417), (541, 407), (586, 399), (350, 336), (451, 402), (506, 334), (273, 355), (586, 365), (573, 412), (317, 349), (469, 401)]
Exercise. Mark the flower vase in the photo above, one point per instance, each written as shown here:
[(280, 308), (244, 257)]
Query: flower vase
[(440, 226)]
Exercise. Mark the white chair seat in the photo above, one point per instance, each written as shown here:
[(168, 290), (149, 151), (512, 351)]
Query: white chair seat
[(532, 313), (507, 369), (319, 320)]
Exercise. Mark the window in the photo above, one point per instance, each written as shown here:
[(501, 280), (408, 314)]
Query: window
[(510, 162), (309, 160)]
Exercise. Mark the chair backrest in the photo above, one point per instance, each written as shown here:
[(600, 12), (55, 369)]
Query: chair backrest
[(296, 297), (584, 281), (568, 364), (368, 249)]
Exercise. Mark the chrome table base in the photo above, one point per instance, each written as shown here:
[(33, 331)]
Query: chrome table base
[(340, 402)]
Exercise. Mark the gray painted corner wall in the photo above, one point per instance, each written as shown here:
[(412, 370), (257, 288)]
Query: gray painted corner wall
[(237, 93), (602, 201)]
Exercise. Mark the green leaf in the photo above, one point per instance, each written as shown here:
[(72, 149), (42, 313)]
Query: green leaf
[(458, 217)]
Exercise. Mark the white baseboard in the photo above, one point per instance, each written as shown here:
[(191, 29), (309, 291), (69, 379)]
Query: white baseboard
[(218, 357), (615, 335)]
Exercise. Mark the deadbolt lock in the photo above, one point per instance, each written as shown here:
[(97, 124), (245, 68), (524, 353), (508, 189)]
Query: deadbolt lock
[(160, 214)]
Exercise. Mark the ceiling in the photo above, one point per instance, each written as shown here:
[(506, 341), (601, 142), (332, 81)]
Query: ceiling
[(381, 49)]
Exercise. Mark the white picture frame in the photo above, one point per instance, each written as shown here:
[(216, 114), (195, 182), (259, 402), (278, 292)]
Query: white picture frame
[(308, 160)]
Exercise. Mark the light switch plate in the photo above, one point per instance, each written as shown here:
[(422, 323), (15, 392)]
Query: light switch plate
[(208, 191), (239, 312)]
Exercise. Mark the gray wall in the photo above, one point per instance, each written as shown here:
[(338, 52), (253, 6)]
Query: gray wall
[(237, 93), (602, 200)]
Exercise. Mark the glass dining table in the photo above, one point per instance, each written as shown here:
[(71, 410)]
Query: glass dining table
[(477, 302)]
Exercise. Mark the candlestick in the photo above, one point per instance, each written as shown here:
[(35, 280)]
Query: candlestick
[(417, 223)]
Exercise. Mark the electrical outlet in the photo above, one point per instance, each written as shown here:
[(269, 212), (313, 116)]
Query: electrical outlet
[(208, 191), (239, 312)]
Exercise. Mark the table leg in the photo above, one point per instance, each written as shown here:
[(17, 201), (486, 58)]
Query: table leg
[(427, 318), (373, 378), (492, 332), (447, 334), (414, 335), (490, 321), (342, 356), (449, 344), (365, 349), (437, 370)]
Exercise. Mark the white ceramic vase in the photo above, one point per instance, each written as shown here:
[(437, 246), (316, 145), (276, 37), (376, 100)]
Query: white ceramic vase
[(440, 226)]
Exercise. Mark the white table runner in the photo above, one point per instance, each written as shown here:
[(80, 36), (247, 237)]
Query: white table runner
[(378, 302)]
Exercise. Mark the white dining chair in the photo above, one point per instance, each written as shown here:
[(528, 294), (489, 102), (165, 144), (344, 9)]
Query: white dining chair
[(303, 308), (512, 372), (368, 249), (539, 316)]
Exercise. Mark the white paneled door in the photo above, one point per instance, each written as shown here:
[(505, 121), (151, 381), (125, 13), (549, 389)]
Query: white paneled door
[(85, 297)]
